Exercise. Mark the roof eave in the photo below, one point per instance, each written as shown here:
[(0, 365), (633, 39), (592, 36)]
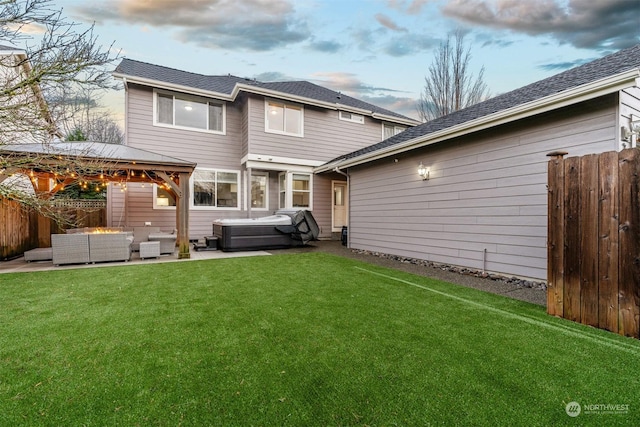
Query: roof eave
[(171, 86), (565, 98)]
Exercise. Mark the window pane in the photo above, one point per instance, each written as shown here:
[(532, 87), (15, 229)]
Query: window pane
[(275, 119), (300, 199), (204, 188), (227, 195), (258, 191), (293, 118), (215, 117), (338, 199), (191, 114), (301, 182), (164, 197), (230, 177), (165, 109), (388, 131)]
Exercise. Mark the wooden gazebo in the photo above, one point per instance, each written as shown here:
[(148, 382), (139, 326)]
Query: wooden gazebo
[(66, 162)]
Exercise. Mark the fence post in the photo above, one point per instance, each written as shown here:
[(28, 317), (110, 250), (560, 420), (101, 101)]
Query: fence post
[(555, 236)]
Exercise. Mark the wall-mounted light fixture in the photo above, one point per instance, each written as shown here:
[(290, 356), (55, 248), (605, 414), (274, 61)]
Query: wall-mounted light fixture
[(423, 171)]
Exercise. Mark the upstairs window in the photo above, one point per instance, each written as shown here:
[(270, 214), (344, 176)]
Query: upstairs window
[(351, 117), (189, 112), (389, 130), (285, 119)]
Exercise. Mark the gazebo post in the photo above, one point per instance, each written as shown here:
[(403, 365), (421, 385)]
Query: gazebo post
[(182, 217)]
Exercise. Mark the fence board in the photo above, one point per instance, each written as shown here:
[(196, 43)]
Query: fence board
[(588, 225), (571, 269), (608, 242), (555, 227), (629, 287)]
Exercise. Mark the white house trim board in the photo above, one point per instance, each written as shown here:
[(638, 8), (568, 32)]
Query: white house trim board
[(562, 99), (264, 161)]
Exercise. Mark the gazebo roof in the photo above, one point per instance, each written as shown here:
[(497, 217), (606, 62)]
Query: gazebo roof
[(109, 153)]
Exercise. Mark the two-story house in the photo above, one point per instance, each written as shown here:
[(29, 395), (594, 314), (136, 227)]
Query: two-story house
[(255, 144)]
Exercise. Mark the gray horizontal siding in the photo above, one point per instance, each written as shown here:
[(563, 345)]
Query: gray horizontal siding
[(485, 205), (206, 149), (325, 136)]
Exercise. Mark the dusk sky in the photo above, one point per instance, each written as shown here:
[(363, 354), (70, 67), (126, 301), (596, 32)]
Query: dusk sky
[(375, 50)]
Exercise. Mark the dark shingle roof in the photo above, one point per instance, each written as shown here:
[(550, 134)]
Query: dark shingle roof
[(607, 66), (220, 84), (226, 84)]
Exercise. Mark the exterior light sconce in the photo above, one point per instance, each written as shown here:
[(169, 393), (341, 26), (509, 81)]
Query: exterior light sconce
[(423, 171)]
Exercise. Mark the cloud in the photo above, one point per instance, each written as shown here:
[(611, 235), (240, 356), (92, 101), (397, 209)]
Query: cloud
[(564, 65), (350, 84), (347, 83), (326, 46), (592, 24), (409, 7), (256, 25), (273, 76), (401, 105), (28, 29), (386, 22), (409, 44)]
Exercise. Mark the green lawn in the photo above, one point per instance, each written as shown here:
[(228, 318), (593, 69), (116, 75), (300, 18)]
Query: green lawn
[(300, 340)]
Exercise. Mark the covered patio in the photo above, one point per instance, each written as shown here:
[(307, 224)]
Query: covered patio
[(51, 167)]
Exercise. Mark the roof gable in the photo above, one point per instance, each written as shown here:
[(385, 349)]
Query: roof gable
[(616, 63)]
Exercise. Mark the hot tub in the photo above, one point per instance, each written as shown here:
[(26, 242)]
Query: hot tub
[(282, 230)]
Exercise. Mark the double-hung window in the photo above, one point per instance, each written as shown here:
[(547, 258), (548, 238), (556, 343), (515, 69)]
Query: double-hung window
[(189, 112), (285, 119), (215, 189), (295, 190), (389, 130)]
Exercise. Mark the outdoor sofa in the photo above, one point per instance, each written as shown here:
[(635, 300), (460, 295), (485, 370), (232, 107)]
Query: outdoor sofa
[(83, 248)]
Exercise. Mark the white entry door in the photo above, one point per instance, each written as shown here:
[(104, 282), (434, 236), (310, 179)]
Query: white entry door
[(340, 206)]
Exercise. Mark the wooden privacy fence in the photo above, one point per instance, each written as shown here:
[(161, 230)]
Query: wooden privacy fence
[(22, 229), (593, 246)]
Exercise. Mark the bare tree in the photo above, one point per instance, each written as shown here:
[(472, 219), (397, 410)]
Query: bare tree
[(450, 84), (56, 60), (86, 117)]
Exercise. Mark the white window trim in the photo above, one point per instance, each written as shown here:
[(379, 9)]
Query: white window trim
[(266, 191), (288, 196), (195, 99), (355, 118), (285, 104), (155, 200), (214, 208)]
